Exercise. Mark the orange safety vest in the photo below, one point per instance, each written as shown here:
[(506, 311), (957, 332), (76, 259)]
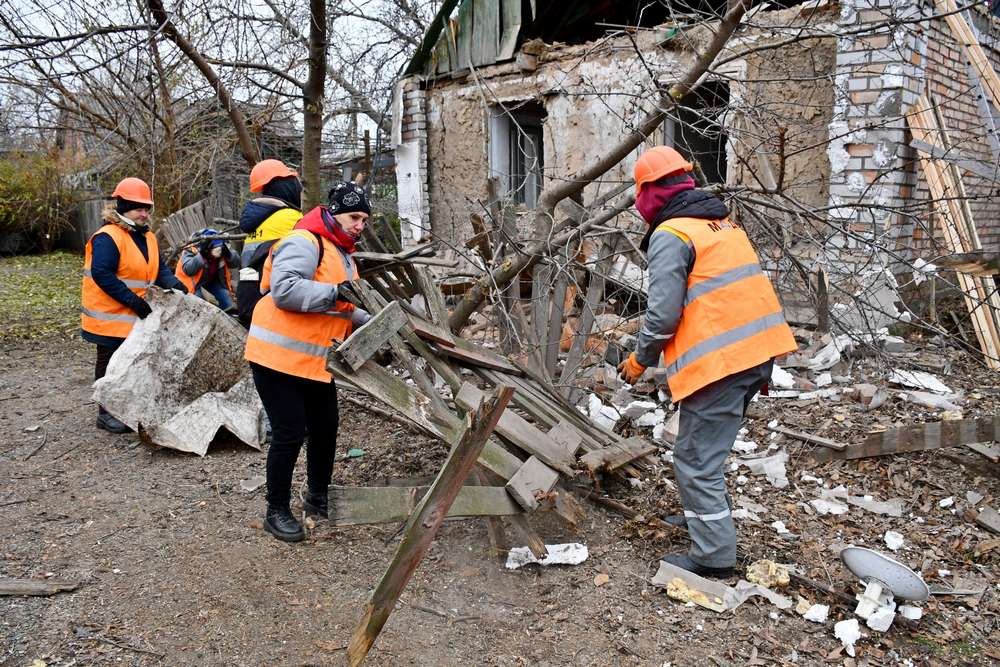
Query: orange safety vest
[(732, 319), (298, 343), (102, 315), (191, 282)]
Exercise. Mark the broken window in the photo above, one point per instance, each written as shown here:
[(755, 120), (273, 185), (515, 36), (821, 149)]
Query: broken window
[(517, 151), (698, 129)]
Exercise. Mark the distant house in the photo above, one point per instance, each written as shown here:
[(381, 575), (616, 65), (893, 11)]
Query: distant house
[(528, 92)]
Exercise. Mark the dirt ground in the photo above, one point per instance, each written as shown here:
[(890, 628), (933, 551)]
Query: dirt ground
[(175, 570)]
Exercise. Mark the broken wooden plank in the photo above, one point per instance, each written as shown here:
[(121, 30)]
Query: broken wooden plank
[(381, 385), (469, 354), (807, 437), (989, 519), (426, 521), (428, 331), (992, 453), (372, 335), (36, 587), (566, 437), (617, 454), (532, 479), (359, 505), (514, 429), (919, 437)]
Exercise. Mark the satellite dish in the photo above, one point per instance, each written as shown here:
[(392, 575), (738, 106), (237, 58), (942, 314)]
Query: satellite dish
[(873, 567)]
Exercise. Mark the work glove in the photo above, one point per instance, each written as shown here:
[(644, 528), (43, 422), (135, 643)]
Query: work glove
[(205, 247), (142, 308), (359, 316), (180, 287), (630, 370), (216, 252), (384, 357)]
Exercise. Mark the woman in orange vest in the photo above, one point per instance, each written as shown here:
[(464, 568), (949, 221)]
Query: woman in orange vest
[(293, 326), (714, 317), (121, 260)]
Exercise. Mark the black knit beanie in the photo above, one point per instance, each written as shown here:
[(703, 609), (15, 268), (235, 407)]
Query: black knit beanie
[(347, 197), (123, 206)]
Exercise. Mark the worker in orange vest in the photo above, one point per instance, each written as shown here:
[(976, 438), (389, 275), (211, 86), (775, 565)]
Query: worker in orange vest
[(714, 317), (265, 219), (121, 260), (300, 315), (205, 266)]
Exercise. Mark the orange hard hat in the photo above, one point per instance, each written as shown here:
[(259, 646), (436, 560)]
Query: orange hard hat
[(134, 189), (656, 163), (267, 170)]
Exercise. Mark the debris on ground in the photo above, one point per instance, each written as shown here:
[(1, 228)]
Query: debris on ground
[(557, 554)]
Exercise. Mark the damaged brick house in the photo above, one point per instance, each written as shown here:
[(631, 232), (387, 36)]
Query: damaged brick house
[(809, 97)]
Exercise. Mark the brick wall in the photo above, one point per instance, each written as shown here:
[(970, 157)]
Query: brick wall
[(948, 79)]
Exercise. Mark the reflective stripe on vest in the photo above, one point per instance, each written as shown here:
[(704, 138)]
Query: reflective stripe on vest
[(139, 284), (732, 319), (102, 315), (298, 343)]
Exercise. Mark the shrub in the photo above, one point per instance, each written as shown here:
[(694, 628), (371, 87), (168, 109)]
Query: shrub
[(36, 203)]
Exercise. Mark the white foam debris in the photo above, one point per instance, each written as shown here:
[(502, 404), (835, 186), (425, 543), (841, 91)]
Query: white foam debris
[(745, 446), (654, 418), (848, 632), (817, 613), (806, 477), (781, 378), (882, 618), (910, 612), (602, 415), (918, 380), (573, 553), (779, 527), (825, 506), (824, 379), (637, 409), (773, 467), (893, 540), (829, 355)]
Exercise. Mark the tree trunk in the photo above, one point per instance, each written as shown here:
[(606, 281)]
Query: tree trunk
[(312, 106), (561, 189), (247, 146)]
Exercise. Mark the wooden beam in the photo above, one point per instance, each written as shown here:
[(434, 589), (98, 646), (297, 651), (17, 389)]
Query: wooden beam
[(358, 505), (616, 455), (10, 586), (807, 437), (515, 430), (372, 335), (426, 521), (920, 437), (532, 479), (963, 34)]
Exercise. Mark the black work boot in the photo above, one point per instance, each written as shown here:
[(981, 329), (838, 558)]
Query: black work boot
[(280, 523), (684, 562), (316, 504), (109, 423)]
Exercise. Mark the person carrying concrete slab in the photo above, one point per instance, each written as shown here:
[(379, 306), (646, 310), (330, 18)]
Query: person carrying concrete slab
[(301, 315), (205, 267), (121, 260), (265, 219), (714, 317)]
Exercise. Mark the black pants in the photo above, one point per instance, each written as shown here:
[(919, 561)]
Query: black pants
[(297, 406), (104, 353), (247, 296)]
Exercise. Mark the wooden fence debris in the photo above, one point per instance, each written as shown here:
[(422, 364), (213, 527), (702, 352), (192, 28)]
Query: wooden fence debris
[(426, 520)]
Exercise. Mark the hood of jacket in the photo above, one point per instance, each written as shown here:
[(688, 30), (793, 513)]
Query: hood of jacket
[(258, 210), (687, 204)]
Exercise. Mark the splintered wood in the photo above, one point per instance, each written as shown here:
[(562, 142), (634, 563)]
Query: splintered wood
[(957, 225), (539, 440)]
